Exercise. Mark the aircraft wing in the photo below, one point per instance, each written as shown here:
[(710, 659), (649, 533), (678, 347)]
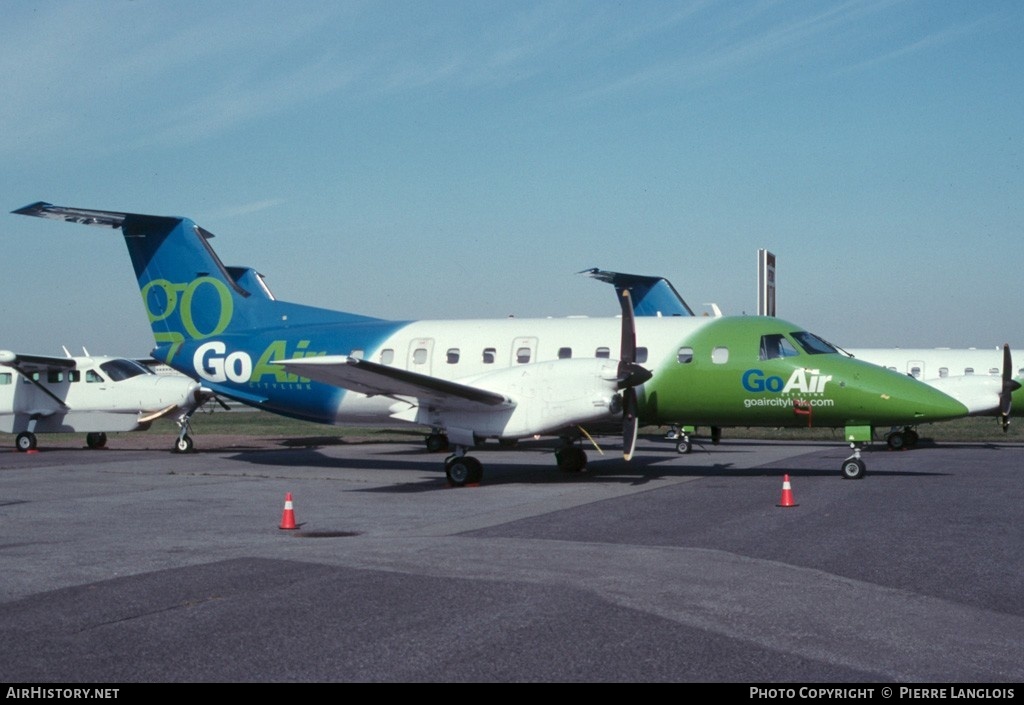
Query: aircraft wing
[(26, 364), (374, 379)]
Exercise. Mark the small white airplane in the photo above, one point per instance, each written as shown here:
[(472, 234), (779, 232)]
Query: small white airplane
[(90, 394)]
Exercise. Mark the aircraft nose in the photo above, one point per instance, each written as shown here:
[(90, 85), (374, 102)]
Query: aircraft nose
[(923, 403), (184, 389)]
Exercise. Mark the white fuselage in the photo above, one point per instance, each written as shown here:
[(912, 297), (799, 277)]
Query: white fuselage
[(936, 363), (95, 396)]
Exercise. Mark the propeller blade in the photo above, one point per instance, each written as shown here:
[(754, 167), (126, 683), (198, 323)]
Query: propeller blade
[(1010, 385), (631, 375), (630, 422), (627, 348)]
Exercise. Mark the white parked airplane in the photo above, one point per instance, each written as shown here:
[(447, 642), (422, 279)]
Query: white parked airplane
[(94, 395)]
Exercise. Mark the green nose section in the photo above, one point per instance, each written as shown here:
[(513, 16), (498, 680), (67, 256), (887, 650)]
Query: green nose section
[(899, 399)]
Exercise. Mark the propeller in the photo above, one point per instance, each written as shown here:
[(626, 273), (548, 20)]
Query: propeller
[(1010, 385), (630, 376)]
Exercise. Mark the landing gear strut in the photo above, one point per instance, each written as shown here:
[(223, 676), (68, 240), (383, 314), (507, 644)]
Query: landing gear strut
[(184, 442)]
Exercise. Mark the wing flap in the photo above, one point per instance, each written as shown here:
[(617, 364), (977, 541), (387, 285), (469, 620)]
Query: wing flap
[(374, 379)]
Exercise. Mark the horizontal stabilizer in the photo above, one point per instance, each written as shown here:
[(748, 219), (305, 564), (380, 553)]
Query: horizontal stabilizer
[(374, 379), (82, 216), (652, 296)]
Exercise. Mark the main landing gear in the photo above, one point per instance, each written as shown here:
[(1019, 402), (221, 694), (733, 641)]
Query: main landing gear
[(436, 442), (681, 435), (26, 441), (461, 469), (901, 439)]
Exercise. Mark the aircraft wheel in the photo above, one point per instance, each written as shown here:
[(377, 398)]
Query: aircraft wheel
[(96, 440), (853, 469), (571, 459), (684, 446), (26, 441), (183, 444), (910, 438), (896, 440), (436, 442), (463, 471)]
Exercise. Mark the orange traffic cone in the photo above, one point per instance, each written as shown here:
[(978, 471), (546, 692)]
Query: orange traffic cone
[(787, 494), (288, 517)]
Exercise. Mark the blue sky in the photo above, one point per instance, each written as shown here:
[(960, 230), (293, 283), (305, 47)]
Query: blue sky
[(466, 159)]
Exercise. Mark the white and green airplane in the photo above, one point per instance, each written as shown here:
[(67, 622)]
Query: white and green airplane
[(512, 378), (983, 380)]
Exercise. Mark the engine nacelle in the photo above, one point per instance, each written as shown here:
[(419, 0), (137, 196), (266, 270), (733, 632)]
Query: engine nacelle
[(548, 397)]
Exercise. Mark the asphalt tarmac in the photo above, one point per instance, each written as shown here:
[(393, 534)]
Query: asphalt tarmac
[(143, 566)]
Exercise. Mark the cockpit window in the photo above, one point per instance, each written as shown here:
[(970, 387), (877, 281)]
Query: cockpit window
[(775, 346), (812, 344), (118, 370)]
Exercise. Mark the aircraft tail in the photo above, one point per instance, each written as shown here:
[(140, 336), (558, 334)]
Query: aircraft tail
[(189, 294)]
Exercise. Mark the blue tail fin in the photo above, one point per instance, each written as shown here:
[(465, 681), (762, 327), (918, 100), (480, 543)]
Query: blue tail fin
[(188, 293)]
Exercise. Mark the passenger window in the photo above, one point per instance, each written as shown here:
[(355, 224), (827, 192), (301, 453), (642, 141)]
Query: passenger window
[(943, 372), (357, 354), (452, 356), (387, 356), (993, 371), (5, 377), (641, 355), (564, 353), (968, 370), (915, 372), (54, 376), (419, 356), (684, 356), (603, 353), (489, 354), (522, 356), (720, 356)]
